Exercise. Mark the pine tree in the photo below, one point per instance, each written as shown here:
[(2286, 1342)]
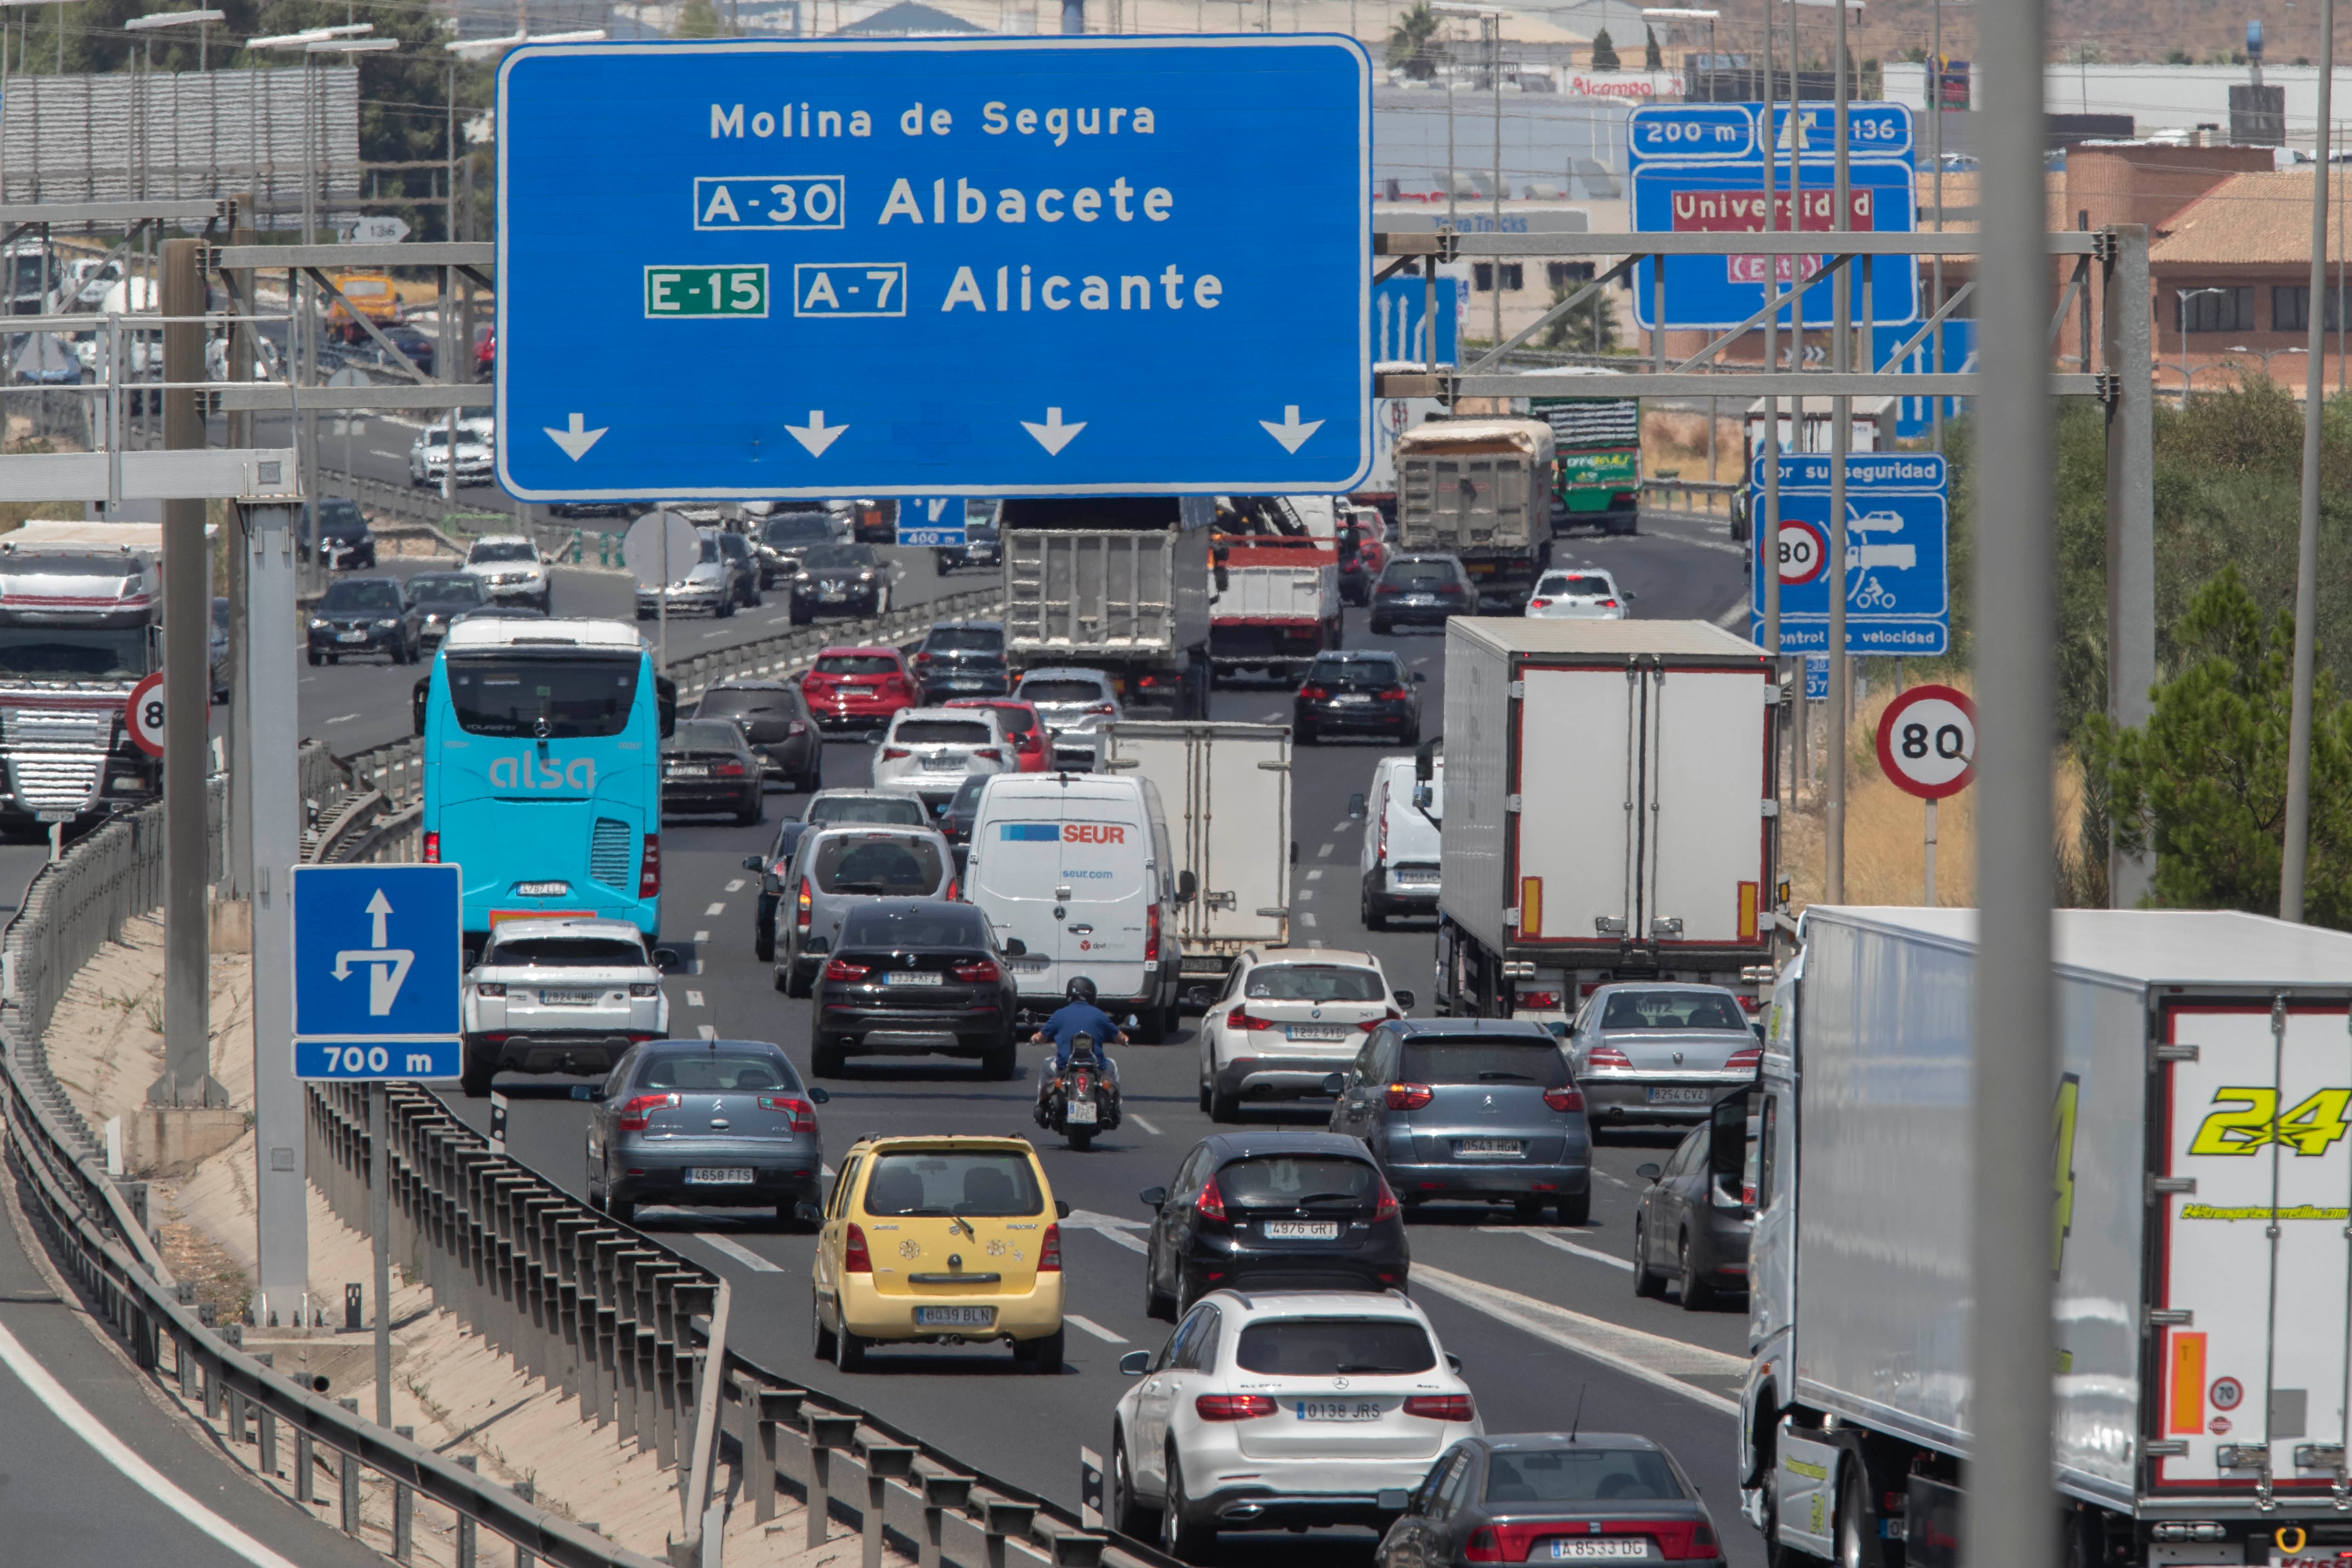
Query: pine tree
[(1604, 51), (1652, 60)]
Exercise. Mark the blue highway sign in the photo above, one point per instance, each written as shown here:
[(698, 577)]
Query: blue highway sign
[(1897, 579), (378, 957), (1699, 168), (1401, 324), (931, 521), (931, 267)]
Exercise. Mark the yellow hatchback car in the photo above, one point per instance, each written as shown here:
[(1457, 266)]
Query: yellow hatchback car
[(945, 1240)]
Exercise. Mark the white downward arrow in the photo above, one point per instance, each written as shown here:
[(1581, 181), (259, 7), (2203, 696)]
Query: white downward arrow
[(1053, 435), (576, 440), (816, 436), (1290, 431)]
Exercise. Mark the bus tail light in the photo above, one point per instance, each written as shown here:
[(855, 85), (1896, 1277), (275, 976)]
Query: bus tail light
[(649, 868), (433, 849)]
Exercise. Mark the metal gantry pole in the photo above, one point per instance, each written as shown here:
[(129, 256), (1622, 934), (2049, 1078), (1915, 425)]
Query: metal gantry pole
[(1494, 84), (243, 345), (280, 1185), (2007, 1513), (2131, 518), (2306, 563), (1936, 152), (380, 1225), (1841, 440)]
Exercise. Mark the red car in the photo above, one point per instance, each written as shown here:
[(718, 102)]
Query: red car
[(1030, 754), (486, 353), (858, 688)]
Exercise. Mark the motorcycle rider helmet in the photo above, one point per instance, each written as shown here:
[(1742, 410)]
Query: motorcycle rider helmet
[(1081, 989)]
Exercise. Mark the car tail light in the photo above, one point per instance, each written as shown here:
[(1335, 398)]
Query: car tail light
[(801, 1114), (1049, 1253), (649, 868), (1210, 1204), (854, 1258), (644, 989), (991, 752), (1104, 708), (1568, 1099), (1532, 605), (1151, 935), (1395, 694), (636, 1113), (1440, 1406), (922, 659), (796, 728), (980, 972), (841, 972), (1382, 855), (1609, 1057), (1538, 1001), (1745, 1060), (803, 905), (1234, 1406), (893, 753), (1607, 603), (433, 849), (1386, 1208), (1677, 1539), (489, 988), (1243, 1018), (1409, 1095), (1481, 1546), (1748, 1195), (1389, 588), (955, 888), (728, 770), (1314, 693)]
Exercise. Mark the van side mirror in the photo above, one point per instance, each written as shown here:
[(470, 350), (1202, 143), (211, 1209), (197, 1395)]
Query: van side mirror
[(1153, 1198), (1454, 1363), (1393, 1500), (587, 1091), (667, 961), (1135, 1363), (819, 1095), (1015, 947), (665, 703), (1419, 679), (1403, 999), (416, 696), (1648, 1169), (817, 944), (753, 863), (1357, 808)]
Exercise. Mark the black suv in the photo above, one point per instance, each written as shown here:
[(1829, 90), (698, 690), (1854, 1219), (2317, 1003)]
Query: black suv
[(962, 658), (344, 535), (1421, 591), (360, 615), (1358, 691)]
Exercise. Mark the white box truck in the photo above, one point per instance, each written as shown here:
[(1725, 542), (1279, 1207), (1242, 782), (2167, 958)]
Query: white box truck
[(1609, 793), (2198, 1242), (1226, 790)]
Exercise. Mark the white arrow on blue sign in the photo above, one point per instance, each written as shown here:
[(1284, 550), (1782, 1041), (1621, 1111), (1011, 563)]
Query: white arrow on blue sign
[(931, 521), (378, 957), (982, 267)]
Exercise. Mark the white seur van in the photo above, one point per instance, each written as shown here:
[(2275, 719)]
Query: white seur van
[(1072, 865)]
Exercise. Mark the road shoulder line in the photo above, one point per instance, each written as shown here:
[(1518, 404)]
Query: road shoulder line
[(1651, 1358)]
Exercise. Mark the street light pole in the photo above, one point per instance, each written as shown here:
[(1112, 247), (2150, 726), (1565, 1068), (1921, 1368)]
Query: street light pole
[(2186, 295), (2306, 563)]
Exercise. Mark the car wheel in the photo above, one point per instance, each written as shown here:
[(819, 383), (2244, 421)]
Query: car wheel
[(793, 984), (1379, 627), (624, 1210), (1151, 1026), (763, 941), (1205, 1100), (848, 1349), (1647, 1282), (1128, 1516), (798, 619), (782, 984), (1157, 1303), (1224, 1105), (813, 780), (1304, 734), (1412, 737), (334, 658), (317, 658), (1577, 1208), (1857, 1532), (757, 811), (1696, 1292), (473, 1077), (999, 1061), (821, 1339), (1040, 1357), (1375, 914), (1186, 1540), (824, 1060), (726, 608)]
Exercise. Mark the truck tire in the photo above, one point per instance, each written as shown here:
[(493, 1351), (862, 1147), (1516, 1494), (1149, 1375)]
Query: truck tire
[(1857, 1530)]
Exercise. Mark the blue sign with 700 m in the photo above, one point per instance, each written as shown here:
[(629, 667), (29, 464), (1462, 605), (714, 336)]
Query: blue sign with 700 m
[(1896, 583), (377, 960)]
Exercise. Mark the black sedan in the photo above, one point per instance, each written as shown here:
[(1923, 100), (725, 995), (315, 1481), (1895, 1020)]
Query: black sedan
[(708, 766), (839, 579), (1694, 1218), (962, 658), (436, 600), (982, 546), (360, 615), (1546, 1497), (775, 719), (349, 542), (707, 1124), (1421, 591), (1358, 693), (1274, 1210), (916, 977)]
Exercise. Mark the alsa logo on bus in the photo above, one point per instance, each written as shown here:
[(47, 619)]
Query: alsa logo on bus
[(1061, 833), (529, 772)]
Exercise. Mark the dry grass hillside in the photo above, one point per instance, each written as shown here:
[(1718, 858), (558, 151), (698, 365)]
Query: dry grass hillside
[(2122, 30)]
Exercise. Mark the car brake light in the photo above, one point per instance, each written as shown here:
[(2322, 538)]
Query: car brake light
[(1049, 1253), (1532, 605), (1745, 1060), (1409, 1095), (433, 849), (489, 988), (1482, 1547), (1608, 604), (649, 868), (801, 906), (1243, 1018), (954, 890), (1395, 694), (892, 753), (1151, 935), (922, 659), (1386, 1208), (854, 1258), (1568, 1099), (1234, 1406), (980, 972), (1440, 1406), (1313, 693), (1609, 1057), (728, 770), (991, 752), (800, 1113), (1104, 708), (843, 972), (1210, 1204), (636, 1113)]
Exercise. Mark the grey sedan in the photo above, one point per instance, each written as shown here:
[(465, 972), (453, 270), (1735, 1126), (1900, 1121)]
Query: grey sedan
[(835, 868), (1474, 1110), (1693, 1222), (1661, 1053), (703, 1125)]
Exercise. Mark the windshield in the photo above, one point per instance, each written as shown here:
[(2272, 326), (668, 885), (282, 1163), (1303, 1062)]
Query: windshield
[(1061, 691), (724, 701), (49, 653), (800, 528), (1285, 1181), (978, 1181), (1418, 572), (964, 639), (1580, 1475), (858, 664), (494, 549), (339, 513), (1355, 672), (818, 555), (1578, 587), (1533, 1061), (710, 547), (348, 595), (1016, 721), (967, 795), (929, 925), (718, 1070), (576, 696), (880, 865), (1314, 982), (941, 731), (568, 952), (704, 735), (451, 590), (884, 808), (1334, 1347), (1673, 1010)]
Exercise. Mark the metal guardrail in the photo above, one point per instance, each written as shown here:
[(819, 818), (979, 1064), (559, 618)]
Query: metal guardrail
[(1696, 498)]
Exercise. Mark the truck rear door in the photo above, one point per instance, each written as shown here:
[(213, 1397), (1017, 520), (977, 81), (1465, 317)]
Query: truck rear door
[(2252, 1254), (1705, 785), (1578, 781)]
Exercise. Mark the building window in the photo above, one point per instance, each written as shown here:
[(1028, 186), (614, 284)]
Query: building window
[(2218, 310), (1482, 276), (2291, 309), (1560, 273)]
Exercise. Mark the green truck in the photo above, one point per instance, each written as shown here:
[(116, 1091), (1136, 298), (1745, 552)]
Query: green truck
[(1597, 474)]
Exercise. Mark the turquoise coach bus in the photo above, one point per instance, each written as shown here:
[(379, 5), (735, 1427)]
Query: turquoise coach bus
[(543, 769)]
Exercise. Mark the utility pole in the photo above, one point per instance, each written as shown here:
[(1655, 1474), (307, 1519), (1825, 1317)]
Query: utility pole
[(2307, 563), (243, 342), (1840, 438), (1767, 542)]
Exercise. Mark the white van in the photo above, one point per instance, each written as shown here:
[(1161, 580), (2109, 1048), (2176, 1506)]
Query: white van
[(1402, 845), (1071, 864)]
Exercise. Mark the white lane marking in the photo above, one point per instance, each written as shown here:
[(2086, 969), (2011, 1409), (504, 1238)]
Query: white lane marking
[(1652, 1358), (1549, 1239), (694, 998), (1147, 1126), (742, 1255), (1305, 894), (1734, 616), (1341, 826), (1323, 852), (828, 1172), (716, 909), (701, 936), (1093, 1327), (736, 886), (115, 1452), (1307, 920), (1316, 875), (705, 1031), (343, 718), (1109, 1227)]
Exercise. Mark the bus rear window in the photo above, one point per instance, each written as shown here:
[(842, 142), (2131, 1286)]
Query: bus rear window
[(578, 697)]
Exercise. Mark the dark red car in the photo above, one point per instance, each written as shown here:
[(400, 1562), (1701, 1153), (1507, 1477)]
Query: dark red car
[(1022, 722), (858, 688)]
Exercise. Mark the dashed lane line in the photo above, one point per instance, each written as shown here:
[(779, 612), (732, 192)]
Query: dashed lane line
[(736, 886), (343, 718), (1307, 920), (1323, 851), (1316, 875), (1652, 1359), (1549, 1239), (1093, 1327), (700, 937), (740, 1254), (1109, 1227), (705, 1031), (719, 909), (1145, 1125), (694, 998)]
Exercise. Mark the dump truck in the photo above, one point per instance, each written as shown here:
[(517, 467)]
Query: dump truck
[(1118, 583), (1479, 489)]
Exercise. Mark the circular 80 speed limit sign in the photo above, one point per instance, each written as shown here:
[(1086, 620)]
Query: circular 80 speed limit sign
[(1927, 742), (145, 717), (1804, 552)]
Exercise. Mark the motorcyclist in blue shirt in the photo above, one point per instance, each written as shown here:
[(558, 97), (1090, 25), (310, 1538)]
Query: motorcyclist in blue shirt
[(1079, 1016)]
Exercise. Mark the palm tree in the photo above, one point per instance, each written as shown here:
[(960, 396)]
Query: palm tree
[(1413, 48)]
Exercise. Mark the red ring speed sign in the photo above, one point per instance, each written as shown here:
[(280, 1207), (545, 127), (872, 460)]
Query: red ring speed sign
[(1927, 742), (145, 717), (1804, 552)]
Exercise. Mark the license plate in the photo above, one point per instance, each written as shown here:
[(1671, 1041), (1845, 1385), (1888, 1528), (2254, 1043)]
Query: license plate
[(1620, 1546), (1355, 697), (1029, 962), (1317, 1031), (1487, 1148), (943, 762), (719, 1176), (1420, 598), (1079, 1113), (1681, 1096), (570, 998), (834, 593), (1417, 879), (955, 1317), (1302, 1230), (912, 977), (1338, 1409), (690, 770), (351, 637)]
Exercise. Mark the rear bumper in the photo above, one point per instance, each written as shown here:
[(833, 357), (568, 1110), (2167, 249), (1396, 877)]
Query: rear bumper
[(899, 1031), (1397, 614), (1401, 895), (1615, 1099), (775, 1179), (1375, 715), (1241, 642), (855, 720), (871, 1314), (1286, 1076), (553, 1051), (966, 683), (699, 796), (1412, 1183)]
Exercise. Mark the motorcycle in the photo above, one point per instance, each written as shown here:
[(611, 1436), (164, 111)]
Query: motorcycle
[(1080, 1099)]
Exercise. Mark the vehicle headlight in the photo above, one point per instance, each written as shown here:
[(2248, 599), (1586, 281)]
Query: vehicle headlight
[(319, 625), (866, 576), (387, 623), (802, 577)]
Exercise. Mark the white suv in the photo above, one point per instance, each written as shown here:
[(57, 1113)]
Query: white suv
[(929, 750), (510, 567), (1287, 1020), (1270, 1410), (567, 994)]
